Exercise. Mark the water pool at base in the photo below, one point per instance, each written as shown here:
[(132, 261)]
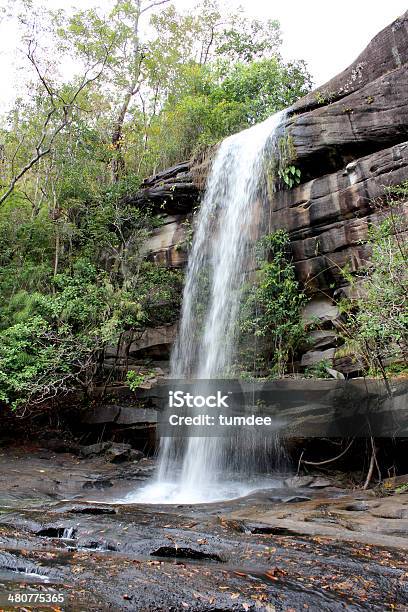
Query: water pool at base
[(173, 491)]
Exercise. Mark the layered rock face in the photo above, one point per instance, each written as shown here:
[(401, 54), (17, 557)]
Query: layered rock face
[(351, 143)]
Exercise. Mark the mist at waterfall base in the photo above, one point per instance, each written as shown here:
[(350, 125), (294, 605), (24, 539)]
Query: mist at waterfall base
[(203, 469)]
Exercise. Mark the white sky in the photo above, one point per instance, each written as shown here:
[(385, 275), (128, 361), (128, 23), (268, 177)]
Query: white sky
[(327, 35)]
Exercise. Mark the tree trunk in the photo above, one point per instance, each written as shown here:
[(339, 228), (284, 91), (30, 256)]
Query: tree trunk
[(118, 163)]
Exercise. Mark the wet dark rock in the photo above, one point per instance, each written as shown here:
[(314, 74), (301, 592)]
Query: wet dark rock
[(114, 452), (98, 483), (294, 499), (15, 563), (66, 533), (95, 545), (164, 558), (259, 528), (92, 510), (105, 413), (394, 510), (357, 507), (118, 415), (184, 553)]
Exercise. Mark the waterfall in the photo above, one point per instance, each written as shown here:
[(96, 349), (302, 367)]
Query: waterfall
[(222, 253)]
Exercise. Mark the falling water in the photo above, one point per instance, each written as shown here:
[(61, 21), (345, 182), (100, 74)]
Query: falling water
[(226, 231)]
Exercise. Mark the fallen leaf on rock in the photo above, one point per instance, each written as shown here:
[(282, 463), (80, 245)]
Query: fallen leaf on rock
[(344, 586)]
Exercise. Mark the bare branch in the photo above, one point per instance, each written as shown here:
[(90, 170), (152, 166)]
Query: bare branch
[(328, 460), (153, 5), (66, 118)]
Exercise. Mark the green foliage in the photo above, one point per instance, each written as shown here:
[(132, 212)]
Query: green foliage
[(281, 170), (160, 293), (52, 341), (378, 317), (318, 370), (135, 379), (57, 319), (324, 97), (290, 176), (270, 321), (217, 103)]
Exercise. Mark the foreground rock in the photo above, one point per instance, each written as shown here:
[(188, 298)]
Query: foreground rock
[(329, 550)]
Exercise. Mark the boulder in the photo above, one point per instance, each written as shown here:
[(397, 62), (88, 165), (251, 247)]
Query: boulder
[(59, 445), (93, 450), (101, 414), (320, 483), (119, 453), (157, 339), (296, 499), (311, 358), (320, 310), (335, 374), (322, 339), (154, 342), (298, 481), (136, 416)]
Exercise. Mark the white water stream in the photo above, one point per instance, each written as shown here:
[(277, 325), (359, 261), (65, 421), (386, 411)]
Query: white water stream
[(225, 235)]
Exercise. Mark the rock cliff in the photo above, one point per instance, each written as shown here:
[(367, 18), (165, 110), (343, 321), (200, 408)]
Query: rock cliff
[(350, 141)]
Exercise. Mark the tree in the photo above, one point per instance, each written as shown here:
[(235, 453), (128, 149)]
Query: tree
[(210, 105), (89, 34), (56, 106)]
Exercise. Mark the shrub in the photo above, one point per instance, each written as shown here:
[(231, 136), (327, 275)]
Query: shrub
[(270, 321)]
